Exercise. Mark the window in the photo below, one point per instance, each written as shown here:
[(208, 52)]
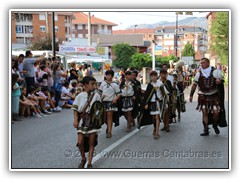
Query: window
[(149, 35), (42, 28), (56, 17), (19, 29), (28, 29), (42, 17), (79, 26), (66, 19), (56, 29), (80, 35)]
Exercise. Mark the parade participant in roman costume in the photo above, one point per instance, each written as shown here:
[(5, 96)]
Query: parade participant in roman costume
[(180, 85), (110, 93), (128, 99), (169, 75), (180, 74), (138, 97), (152, 105), (168, 89), (176, 93), (88, 119), (207, 80)]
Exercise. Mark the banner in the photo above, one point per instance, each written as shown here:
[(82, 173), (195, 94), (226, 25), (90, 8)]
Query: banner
[(76, 49)]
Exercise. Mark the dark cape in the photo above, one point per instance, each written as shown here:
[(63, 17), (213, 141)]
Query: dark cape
[(222, 114), (144, 117)]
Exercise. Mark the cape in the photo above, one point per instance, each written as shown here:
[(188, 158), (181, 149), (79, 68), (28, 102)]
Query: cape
[(144, 117), (222, 114)]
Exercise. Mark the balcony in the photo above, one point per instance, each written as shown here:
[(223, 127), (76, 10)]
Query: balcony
[(104, 32)]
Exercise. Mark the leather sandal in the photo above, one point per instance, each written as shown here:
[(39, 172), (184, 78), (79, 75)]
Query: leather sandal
[(156, 136), (82, 164), (89, 166), (108, 135)]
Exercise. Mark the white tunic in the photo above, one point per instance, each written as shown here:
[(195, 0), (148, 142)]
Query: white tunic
[(81, 100), (128, 89), (109, 90), (157, 86)]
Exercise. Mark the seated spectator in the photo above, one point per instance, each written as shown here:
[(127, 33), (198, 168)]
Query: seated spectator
[(65, 96), (36, 100), (49, 103), (26, 106)]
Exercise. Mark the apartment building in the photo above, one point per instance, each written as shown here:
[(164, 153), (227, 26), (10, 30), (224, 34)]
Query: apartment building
[(165, 37), (29, 25), (210, 53), (98, 26), (148, 34)]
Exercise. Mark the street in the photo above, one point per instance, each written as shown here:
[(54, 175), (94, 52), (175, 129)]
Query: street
[(50, 142)]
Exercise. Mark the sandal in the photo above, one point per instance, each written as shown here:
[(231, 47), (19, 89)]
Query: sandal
[(108, 135), (156, 136), (89, 166), (128, 129), (82, 164)]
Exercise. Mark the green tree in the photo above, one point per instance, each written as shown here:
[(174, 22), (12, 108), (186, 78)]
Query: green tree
[(188, 50), (43, 43), (123, 53), (165, 60), (139, 60), (219, 31)]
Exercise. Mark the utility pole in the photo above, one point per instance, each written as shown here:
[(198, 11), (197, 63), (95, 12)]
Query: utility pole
[(153, 55), (176, 35), (53, 35), (89, 30), (47, 25)]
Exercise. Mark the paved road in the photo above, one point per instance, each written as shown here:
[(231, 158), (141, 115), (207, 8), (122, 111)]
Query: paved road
[(49, 142)]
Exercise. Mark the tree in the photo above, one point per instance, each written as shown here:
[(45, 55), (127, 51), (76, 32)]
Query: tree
[(219, 31), (165, 60), (188, 50), (140, 60), (123, 53), (43, 43)]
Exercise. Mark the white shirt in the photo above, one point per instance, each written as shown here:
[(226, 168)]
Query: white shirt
[(206, 73)]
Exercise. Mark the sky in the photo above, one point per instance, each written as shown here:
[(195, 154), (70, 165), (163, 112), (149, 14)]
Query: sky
[(125, 19)]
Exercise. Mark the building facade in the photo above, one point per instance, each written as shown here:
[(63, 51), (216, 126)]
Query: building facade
[(165, 38), (211, 55), (98, 26), (26, 26)]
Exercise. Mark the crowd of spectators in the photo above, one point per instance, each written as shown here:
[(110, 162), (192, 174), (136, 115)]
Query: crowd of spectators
[(41, 86)]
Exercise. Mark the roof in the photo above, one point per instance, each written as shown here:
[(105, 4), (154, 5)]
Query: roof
[(112, 39), (171, 29), (81, 18), (133, 31)]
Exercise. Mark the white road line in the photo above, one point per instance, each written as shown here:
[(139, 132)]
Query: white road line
[(111, 147)]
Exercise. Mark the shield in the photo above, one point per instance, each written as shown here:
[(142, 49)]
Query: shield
[(97, 114), (182, 103)]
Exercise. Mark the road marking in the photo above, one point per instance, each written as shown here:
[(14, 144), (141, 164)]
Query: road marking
[(114, 145)]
